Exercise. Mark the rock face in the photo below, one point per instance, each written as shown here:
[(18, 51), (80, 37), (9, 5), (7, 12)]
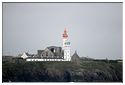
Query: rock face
[(85, 71), (92, 76)]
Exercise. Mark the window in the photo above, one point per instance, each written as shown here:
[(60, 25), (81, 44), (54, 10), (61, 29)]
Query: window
[(54, 51)]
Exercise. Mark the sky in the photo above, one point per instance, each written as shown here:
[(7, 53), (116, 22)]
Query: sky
[(94, 29)]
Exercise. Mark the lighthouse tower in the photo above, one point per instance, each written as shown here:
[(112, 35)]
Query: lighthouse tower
[(66, 46)]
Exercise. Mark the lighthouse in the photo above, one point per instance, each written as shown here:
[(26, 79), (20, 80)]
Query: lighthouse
[(66, 46)]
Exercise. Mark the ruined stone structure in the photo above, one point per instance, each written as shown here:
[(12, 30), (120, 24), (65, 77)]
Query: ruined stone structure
[(54, 53)]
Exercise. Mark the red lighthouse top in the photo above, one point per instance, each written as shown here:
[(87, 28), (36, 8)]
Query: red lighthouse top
[(65, 34)]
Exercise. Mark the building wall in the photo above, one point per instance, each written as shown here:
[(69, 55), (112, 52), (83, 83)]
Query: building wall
[(39, 52), (47, 54), (52, 53), (46, 60), (66, 48)]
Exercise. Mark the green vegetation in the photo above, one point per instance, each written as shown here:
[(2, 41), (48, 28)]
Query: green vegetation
[(85, 71)]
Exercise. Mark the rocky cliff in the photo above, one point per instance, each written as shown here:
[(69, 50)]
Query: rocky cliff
[(84, 71)]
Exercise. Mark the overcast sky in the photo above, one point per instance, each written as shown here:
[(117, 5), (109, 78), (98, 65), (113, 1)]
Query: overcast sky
[(95, 29)]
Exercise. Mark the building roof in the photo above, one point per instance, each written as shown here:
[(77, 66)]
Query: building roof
[(65, 35), (75, 57), (53, 47)]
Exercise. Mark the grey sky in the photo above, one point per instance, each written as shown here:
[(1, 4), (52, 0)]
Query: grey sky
[(95, 29)]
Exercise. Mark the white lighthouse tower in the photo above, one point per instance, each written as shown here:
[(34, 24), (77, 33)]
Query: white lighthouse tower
[(66, 46)]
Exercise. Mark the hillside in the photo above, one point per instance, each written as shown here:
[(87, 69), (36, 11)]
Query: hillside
[(84, 71)]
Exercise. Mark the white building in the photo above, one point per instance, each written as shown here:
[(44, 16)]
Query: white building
[(24, 55), (66, 46)]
